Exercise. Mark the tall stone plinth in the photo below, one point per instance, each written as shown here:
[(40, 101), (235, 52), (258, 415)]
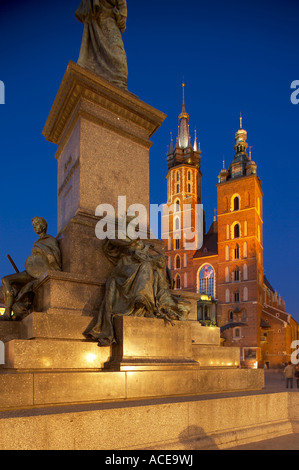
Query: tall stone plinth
[(102, 133)]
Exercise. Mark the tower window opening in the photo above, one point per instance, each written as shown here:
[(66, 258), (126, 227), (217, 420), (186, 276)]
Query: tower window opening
[(236, 204), (237, 274), (237, 252), (237, 231), (178, 262), (178, 282)]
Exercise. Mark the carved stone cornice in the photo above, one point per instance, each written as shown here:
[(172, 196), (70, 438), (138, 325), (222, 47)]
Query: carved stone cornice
[(86, 95)]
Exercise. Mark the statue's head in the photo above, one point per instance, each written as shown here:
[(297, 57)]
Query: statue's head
[(40, 225)]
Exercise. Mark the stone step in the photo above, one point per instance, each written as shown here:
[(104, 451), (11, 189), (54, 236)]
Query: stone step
[(21, 389), (71, 326), (216, 356), (54, 354)]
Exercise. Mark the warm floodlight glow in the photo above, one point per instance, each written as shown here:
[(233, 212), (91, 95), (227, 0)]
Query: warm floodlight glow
[(90, 358)]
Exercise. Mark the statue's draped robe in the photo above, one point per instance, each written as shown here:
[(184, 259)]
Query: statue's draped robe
[(137, 286), (102, 50)]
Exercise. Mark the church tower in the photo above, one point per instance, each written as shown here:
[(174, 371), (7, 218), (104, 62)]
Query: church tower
[(183, 197), (240, 250)]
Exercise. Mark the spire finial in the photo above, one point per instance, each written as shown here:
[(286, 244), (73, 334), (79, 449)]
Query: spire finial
[(241, 121), (223, 162), (250, 152)]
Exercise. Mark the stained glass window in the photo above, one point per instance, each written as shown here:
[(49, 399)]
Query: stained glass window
[(207, 281)]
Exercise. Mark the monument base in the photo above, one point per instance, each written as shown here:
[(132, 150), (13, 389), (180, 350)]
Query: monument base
[(49, 363)]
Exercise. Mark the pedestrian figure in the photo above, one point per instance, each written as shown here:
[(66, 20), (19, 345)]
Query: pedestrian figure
[(289, 374)]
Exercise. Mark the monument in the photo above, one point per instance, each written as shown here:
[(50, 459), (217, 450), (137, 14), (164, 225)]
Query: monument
[(115, 294)]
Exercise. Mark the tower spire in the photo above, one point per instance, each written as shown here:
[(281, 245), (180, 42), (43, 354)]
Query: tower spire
[(184, 137), (241, 121)]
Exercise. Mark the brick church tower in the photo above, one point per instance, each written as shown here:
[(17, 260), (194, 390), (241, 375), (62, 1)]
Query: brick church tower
[(183, 197), (240, 283), (224, 265)]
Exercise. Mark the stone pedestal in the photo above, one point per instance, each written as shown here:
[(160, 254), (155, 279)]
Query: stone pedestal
[(102, 133), (151, 344)]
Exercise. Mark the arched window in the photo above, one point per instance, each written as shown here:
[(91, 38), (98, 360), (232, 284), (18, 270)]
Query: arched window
[(236, 203), (177, 206), (227, 296), (237, 274), (227, 274), (177, 244), (244, 315), (189, 175), (177, 262), (237, 296), (227, 232), (237, 230), (207, 280), (231, 316), (227, 253), (189, 188), (245, 250), (237, 252), (178, 176), (177, 188), (245, 294), (177, 282), (245, 272), (177, 223)]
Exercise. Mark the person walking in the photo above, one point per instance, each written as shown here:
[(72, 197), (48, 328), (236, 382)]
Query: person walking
[(289, 374)]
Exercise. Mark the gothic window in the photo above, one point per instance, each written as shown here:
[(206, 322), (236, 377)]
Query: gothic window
[(178, 282), (178, 262), (245, 294), (177, 243), (227, 253), (227, 274), (231, 316), (237, 231), (237, 274), (178, 176), (245, 250), (236, 203), (177, 188), (237, 296), (245, 272), (177, 223), (177, 205), (237, 252), (189, 188), (189, 175), (227, 296), (227, 232), (207, 280)]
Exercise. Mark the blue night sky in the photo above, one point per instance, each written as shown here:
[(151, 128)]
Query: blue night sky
[(235, 56)]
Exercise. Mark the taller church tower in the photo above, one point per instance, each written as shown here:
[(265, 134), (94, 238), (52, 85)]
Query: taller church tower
[(240, 249), (183, 197)]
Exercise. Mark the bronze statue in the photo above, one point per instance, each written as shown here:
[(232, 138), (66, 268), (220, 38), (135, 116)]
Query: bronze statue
[(102, 50), (137, 286), (17, 290)]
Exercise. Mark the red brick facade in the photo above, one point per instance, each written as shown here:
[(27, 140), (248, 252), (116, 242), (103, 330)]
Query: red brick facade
[(227, 270)]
